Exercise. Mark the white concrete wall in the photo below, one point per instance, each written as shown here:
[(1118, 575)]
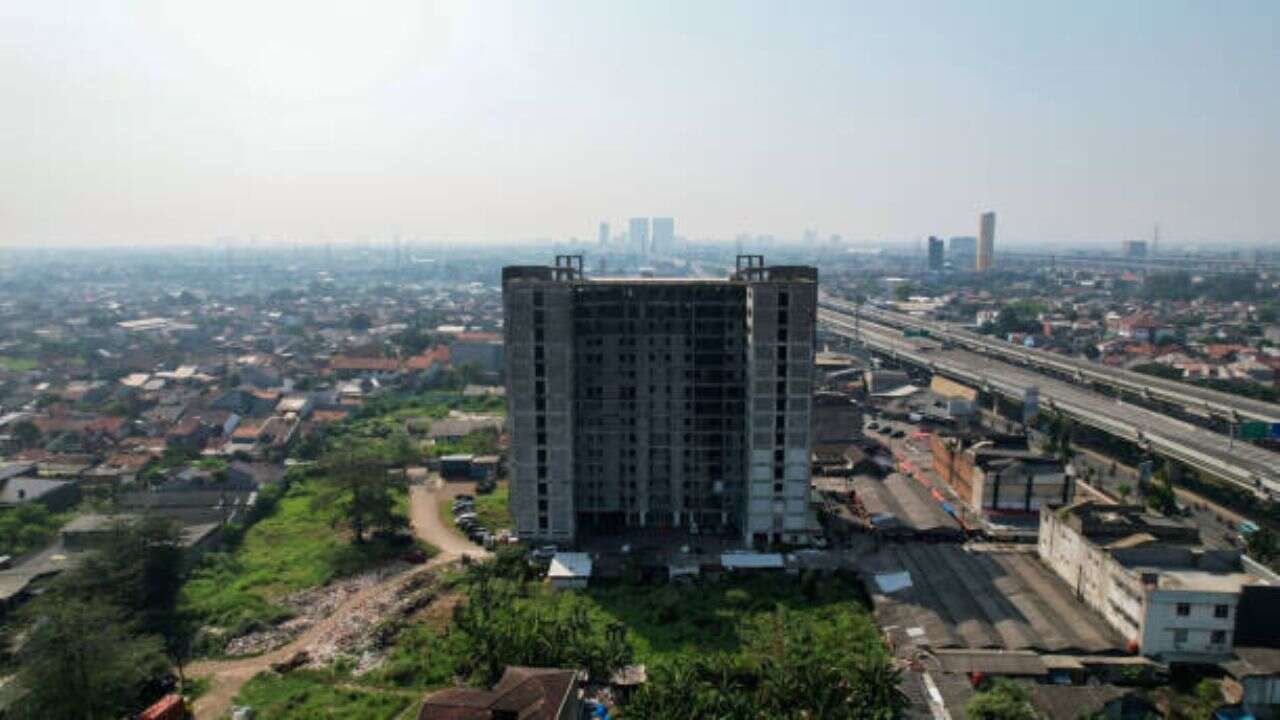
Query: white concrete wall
[(1162, 622)]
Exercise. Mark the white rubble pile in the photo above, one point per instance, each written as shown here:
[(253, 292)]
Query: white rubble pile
[(309, 607), (362, 633)]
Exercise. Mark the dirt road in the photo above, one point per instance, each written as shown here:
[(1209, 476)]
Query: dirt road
[(228, 676), (424, 513)]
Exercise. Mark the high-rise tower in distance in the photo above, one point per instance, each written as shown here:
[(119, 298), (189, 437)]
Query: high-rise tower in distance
[(639, 235), (660, 402), (664, 235), (986, 242), (937, 254), (603, 235)]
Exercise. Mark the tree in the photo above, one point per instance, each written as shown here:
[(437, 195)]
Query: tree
[(1004, 700), (138, 569), (1261, 545), (360, 322), (1161, 496), (26, 434), (355, 483), (82, 661)]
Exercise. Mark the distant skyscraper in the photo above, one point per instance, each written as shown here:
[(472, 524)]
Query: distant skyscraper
[(604, 234), (640, 235), (1136, 249), (963, 252), (986, 242), (937, 253), (664, 235)]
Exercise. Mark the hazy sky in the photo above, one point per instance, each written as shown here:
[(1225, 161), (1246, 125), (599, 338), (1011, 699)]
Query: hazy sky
[(159, 121)]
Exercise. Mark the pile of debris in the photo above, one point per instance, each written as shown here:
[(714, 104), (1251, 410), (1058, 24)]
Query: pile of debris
[(366, 630), (309, 607)]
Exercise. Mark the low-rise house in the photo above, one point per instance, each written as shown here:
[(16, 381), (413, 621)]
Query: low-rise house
[(523, 693), (1253, 680), (19, 486), (452, 430)]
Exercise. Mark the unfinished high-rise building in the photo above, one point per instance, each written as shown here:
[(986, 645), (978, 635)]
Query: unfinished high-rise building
[(660, 403)]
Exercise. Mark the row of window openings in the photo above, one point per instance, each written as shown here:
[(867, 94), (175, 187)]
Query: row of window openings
[(1217, 637), (1219, 611)]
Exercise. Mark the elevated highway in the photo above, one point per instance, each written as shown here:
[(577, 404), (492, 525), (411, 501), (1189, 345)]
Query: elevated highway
[(1248, 466), (1203, 401)]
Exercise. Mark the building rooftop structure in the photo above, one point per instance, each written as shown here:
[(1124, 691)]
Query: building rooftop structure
[(523, 693)]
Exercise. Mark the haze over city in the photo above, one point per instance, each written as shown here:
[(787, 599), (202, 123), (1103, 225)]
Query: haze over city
[(138, 123)]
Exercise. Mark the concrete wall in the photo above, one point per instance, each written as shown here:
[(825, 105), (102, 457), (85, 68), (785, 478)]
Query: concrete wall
[(1139, 611), (780, 326), (485, 355), (539, 341), (1163, 623)]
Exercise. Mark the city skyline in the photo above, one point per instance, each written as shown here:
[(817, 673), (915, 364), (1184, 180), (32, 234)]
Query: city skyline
[(135, 124)]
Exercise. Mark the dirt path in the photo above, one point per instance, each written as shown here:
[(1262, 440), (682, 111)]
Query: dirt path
[(424, 513), (228, 676)]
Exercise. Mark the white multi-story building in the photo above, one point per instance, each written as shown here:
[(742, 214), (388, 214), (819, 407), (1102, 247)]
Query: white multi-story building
[(1149, 577)]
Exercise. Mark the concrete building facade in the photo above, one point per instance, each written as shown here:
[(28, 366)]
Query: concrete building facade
[(937, 254), (660, 403), (986, 242), (994, 477), (1149, 576)]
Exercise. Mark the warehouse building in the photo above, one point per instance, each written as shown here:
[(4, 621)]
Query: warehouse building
[(1000, 476), (1152, 580)]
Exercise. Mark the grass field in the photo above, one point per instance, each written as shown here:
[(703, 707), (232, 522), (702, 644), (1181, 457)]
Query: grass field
[(492, 509), (307, 695), (13, 364), (667, 621), (294, 547), (664, 622)]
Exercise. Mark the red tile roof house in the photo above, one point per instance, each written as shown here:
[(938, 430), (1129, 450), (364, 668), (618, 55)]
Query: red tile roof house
[(523, 693), (1142, 327), (350, 366)]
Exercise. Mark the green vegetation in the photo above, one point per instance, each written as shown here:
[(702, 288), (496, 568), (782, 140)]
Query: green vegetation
[(476, 442), (15, 364), (292, 548), (28, 527), (493, 509), (1019, 316), (350, 489), (1243, 388), (104, 631), (1178, 285), (743, 648), (304, 695), (1003, 700)]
